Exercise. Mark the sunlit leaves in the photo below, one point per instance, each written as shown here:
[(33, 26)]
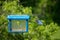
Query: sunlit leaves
[(10, 6), (27, 10), (35, 31), (42, 31)]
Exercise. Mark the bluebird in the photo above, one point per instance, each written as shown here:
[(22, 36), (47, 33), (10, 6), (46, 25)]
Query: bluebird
[(39, 22)]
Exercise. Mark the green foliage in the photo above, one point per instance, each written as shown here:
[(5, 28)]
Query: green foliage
[(42, 32), (36, 32), (14, 8)]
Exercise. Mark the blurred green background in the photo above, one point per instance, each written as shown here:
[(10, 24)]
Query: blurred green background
[(48, 11)]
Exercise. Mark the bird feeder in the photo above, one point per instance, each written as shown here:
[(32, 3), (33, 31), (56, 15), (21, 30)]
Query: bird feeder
[(18, 23)]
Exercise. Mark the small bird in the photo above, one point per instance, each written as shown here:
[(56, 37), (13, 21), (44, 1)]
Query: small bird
[(39, 22)]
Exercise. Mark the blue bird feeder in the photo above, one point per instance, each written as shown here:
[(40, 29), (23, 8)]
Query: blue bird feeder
[(18, 23)]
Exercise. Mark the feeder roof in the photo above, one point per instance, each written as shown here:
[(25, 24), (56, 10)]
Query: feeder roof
[(18, 17)]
